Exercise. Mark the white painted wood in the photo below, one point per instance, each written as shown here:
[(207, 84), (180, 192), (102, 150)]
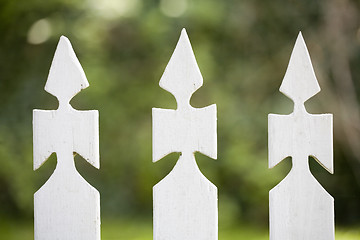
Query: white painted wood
[(66, 207), (185, 202), (299, 207)]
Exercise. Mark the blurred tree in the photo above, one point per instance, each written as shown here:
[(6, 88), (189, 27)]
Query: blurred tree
[(242, 48)]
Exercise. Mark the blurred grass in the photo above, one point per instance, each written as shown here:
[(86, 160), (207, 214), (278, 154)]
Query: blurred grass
[(141, 229)]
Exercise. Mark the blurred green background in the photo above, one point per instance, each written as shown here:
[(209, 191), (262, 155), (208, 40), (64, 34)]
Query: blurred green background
[(242, 48)]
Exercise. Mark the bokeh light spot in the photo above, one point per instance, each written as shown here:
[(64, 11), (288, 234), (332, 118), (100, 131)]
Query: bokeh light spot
[(112, 9), (173, 8), (39, 32)]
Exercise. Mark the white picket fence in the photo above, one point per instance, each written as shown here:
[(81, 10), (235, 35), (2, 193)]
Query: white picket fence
[(185, 203)]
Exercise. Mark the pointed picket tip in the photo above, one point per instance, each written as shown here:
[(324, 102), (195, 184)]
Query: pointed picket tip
[(66, 77), (300, 83), (182, 76)]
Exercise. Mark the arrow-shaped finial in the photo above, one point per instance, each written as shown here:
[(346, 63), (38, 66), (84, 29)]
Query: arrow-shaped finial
[(182, 75), (66, 77), (300, 83)]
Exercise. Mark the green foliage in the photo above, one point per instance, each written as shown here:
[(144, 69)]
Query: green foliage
[(141, 229), (242, 48)]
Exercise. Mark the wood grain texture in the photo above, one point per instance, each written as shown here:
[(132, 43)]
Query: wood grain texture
[(299, 207), (185, 202), (66, 207)]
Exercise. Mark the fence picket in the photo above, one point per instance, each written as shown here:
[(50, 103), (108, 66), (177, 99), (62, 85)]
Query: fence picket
[(66, 207), (185, 201), (299, 207)]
